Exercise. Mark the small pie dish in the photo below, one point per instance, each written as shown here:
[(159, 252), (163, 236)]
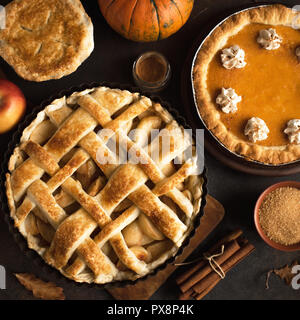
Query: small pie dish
[(92, 217), (245, 79), (261, 232)]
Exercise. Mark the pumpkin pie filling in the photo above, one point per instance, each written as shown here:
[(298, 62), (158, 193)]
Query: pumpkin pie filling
[(269, 83)]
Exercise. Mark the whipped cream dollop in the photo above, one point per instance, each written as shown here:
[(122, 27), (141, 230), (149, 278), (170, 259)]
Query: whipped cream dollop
[(269, 39), (228, 100), (293, 131), (256, 129), (233, 57), (297, 52)]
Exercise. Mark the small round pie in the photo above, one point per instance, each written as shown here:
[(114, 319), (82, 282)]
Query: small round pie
[(266, 75), (101, 219), (44, 40)]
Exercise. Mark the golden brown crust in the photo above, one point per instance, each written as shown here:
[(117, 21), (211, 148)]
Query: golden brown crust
[(46, 40), (48, 201), (41, 157), (273, 15), (98, 262), (159, 213), (40, 194), (71, 232)]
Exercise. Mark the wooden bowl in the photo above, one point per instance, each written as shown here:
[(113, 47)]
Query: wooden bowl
[(273, 244)]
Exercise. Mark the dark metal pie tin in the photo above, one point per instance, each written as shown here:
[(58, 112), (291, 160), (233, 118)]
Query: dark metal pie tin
[(21, 241)]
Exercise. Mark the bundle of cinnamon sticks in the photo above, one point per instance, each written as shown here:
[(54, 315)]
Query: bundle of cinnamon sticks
[(199, 280)]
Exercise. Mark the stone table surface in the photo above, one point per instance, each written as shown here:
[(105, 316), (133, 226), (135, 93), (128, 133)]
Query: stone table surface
[(112, 61)]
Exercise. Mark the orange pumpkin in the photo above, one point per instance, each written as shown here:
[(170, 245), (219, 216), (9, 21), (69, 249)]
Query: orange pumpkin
[(146, 20)]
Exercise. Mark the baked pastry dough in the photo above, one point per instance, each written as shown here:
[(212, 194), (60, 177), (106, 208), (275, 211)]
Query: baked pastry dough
[(268, 83), (46, 40), (94, 220)]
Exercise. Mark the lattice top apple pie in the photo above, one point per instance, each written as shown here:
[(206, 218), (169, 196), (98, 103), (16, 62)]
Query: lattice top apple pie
[(88, 214)]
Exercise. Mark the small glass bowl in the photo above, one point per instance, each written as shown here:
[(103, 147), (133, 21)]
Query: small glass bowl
[(153, 86)]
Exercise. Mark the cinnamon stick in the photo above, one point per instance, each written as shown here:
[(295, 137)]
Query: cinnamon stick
[(186, 295), (182, 278), (232, 236), (207, 290), (201, 279), (230, 263), (230, 249)]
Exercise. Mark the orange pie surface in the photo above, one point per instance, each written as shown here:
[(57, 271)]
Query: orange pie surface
[(269, 84)]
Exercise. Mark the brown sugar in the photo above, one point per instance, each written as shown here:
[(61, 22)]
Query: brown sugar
[(151, 69), (279, 215)]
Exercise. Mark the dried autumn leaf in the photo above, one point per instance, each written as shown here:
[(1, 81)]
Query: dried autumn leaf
[(285, 273), (40, 289)]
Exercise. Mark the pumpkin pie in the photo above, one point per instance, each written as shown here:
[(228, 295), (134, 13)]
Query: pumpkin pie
[(246, 80)]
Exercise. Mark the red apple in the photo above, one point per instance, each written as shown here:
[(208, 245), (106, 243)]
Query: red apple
[(12, 105)]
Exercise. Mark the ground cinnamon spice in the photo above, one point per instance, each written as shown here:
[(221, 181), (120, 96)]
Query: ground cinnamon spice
[(279, 215), (151, 69)]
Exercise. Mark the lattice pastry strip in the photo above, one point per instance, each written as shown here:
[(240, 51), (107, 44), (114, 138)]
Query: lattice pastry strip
[(70, 185), (40, 193), (27, 205), (108, 191), (140, 176), (125, 183), (159, 206), (55, 215), (83, 99), (151, 169)]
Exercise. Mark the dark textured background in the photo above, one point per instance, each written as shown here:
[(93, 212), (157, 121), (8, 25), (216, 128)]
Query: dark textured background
[(111, 61)]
